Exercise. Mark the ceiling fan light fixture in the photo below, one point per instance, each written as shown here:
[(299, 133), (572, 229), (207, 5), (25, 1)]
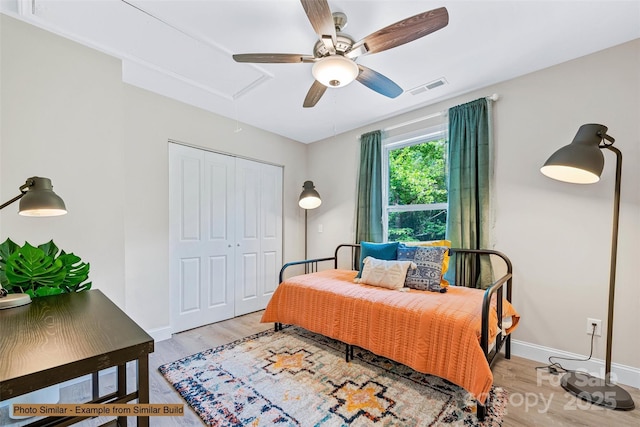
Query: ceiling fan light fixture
[(335, 71)]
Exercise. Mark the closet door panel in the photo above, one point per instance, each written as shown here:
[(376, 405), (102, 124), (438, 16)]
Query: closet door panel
[(189, 293), (271, 220), (247, 236), (220, 200), (247, 284), (260, 240), (189, 172), (217, 281), (271, 271), (220, 205), (201, 253)]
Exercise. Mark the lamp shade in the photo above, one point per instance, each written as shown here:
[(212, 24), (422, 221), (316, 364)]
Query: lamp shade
[(580, 162), (40, 200), (335, 71), (309, 198)]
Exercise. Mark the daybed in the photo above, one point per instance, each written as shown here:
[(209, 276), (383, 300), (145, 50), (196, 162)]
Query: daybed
[(454, 335)]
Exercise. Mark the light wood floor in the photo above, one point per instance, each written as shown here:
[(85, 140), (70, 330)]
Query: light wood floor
[(534, 399)]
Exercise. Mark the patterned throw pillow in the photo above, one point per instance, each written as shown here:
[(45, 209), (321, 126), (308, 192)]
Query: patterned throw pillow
[(427, 275), (385, 274), (386, 251), (447, 243)]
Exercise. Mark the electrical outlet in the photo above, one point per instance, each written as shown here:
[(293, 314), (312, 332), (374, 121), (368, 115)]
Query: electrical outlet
[(598, 323)]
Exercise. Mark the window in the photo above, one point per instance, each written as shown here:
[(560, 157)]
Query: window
[(415, 186)]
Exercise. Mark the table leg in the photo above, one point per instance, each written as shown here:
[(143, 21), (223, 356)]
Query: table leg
[(143, 386), (122, 388), (95, 385)]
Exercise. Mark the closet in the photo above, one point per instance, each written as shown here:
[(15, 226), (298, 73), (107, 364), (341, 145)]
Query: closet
[(225, 237)]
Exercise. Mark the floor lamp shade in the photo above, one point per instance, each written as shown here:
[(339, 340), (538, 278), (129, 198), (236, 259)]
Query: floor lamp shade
[(582, 162), (309, 198)]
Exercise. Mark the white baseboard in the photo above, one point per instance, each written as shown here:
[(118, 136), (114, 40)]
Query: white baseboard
[(160, 334), (621, 374)]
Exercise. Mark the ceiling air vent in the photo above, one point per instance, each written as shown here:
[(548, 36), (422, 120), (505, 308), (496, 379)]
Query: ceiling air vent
[(428, 86)]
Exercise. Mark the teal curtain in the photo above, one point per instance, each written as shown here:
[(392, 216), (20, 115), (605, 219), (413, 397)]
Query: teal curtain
[(468, 218), (369, 206)]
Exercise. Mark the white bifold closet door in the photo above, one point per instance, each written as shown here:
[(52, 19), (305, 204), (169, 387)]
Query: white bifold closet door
[(225, 235)]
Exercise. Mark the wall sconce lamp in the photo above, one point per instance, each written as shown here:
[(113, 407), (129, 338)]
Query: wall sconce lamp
[(309, 199), (36, 199), (582, 162)]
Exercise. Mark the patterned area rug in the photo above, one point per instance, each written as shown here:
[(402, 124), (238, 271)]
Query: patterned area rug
[(297, 378)]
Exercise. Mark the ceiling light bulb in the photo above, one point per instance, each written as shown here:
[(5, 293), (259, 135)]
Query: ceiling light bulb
[(335, 71)]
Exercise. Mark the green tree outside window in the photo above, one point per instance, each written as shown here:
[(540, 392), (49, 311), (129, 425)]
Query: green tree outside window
[(417, 192)]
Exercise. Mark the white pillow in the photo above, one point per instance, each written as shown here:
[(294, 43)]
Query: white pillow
[(385, 274)]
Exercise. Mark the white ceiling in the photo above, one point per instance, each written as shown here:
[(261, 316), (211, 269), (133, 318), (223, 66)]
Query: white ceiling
[(182, 49)]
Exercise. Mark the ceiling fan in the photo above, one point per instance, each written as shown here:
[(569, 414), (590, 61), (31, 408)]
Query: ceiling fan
[(335, 53)]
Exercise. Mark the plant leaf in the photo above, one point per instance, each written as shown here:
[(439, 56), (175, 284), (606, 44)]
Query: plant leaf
[(6, 249), (49, 248), (84, 287), (30, 268), (76, 272), (45, 291)]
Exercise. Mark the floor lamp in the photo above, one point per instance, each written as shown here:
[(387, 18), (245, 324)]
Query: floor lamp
[(582, 162), (36, 199), (309, 199)]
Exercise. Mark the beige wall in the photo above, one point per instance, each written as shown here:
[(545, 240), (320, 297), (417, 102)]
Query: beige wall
[(557, 235), (62, 118), (67, 115)]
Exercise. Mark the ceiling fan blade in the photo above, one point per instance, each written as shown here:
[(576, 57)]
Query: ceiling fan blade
[(273, 58), (377, 82), (319, 15), (402, 32), (314, 94)]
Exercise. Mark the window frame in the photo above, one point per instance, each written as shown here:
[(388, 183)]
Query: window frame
[(432, 133)]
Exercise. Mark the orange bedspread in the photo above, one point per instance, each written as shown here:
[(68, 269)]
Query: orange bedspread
[(434, 333)]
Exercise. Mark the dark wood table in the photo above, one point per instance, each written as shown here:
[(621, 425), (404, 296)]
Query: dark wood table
[(61, 337)]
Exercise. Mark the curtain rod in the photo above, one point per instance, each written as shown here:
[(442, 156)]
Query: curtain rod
[(494, 97)]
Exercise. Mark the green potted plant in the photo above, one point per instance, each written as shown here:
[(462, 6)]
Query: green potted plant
[(41, 271)]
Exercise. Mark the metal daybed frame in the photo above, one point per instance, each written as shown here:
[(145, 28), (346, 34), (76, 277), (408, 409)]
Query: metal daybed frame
[(467, 262)]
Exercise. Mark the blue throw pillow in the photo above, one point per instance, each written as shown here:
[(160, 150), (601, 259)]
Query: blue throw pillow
[(385, 251), (406, 253)]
